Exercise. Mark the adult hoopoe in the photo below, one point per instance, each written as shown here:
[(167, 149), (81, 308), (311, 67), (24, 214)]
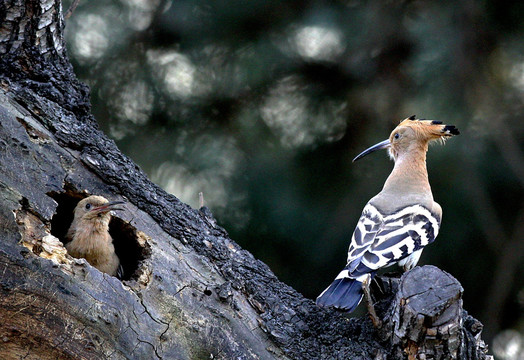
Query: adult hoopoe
[(399, 221), (89, 234)]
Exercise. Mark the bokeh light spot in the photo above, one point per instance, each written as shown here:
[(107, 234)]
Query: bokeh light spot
[(90, 40), (289, 112), (175, 70), (318, 43), (508, 345), (132, 105)]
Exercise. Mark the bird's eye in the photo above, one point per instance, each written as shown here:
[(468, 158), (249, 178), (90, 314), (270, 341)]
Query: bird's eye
[(396, 136), (88, 206)]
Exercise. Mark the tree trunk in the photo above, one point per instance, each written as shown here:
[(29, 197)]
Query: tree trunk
[(189, 292)]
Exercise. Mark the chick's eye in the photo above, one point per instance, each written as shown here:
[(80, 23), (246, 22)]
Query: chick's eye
[(88, 206), (396, 136)]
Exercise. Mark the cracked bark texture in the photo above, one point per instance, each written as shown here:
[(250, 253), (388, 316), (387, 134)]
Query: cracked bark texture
[(194, 294), (424, 318)]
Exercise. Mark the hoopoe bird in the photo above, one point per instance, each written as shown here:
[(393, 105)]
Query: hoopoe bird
[(398, 222), (89, 234)]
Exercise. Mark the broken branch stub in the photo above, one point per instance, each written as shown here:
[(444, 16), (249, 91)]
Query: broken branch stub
[(426, 315)]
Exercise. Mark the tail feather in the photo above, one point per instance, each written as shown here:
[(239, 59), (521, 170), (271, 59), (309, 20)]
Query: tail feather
[(343, 294)]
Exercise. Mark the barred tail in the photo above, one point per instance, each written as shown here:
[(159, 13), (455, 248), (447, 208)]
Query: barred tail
[(344, 294)]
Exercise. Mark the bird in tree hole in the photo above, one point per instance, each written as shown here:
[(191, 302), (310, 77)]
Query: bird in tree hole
[(89, 236), (398, 222)]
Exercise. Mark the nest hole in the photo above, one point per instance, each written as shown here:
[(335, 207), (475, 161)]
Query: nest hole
[(130, 250)]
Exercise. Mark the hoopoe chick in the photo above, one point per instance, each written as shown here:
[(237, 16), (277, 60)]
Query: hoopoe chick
[(398, 222), (89, 234)]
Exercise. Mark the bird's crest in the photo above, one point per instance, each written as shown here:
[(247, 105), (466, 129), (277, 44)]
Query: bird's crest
[(427, 130)]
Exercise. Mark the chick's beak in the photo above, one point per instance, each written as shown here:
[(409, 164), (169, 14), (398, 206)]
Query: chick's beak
[(381, 145), (112, 205)]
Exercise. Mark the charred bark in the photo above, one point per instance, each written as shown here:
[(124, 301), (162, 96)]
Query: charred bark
[(190, 291), (423, 317)]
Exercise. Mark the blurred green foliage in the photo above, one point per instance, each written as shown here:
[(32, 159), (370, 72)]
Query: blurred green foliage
[(261, 105)]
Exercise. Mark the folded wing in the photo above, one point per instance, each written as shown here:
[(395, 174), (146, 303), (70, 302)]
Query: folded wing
[(380, 241)]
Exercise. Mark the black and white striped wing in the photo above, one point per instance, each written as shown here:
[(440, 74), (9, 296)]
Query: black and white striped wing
[(378, 241), (382, 240), (369, 224)]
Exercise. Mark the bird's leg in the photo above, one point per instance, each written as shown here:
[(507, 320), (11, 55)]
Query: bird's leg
[(371, 309)]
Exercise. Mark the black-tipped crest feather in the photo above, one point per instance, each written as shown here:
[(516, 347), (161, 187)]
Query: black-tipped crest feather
[(451, 129)]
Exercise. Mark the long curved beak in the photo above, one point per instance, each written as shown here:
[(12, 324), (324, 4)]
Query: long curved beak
[(112, 205), (381, 145)]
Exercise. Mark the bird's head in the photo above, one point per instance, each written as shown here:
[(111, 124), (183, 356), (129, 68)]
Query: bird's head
[(95, 206), (412, 134)]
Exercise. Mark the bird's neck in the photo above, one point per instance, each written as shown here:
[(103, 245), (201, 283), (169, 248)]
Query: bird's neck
[(92, 229), (410, 175)]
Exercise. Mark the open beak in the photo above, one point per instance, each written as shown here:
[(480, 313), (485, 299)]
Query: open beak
[(112, 205), (381, 145)]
